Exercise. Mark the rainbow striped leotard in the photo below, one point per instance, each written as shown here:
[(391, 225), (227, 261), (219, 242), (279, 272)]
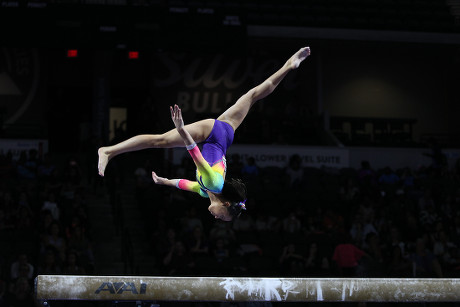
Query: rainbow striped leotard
[(210, 163)]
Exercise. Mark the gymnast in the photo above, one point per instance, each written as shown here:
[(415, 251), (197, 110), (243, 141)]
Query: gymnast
[(227, 196)]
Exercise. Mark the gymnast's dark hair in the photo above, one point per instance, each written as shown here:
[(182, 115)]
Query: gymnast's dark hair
[(234, 191)]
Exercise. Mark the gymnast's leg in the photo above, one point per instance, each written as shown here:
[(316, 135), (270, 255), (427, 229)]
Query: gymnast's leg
[(235, 115), (199, 131)]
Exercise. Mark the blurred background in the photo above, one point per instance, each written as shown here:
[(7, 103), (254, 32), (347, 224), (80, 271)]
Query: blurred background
[(356, 152)]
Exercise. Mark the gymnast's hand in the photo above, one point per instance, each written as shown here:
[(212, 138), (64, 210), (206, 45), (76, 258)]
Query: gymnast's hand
[(176, 116)]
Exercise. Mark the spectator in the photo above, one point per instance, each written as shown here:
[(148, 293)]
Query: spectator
[(244, 224), (81, 245), (4, 222), (23, 200), (220, 251), (75, 221), (7, 168), (346, 257), (72, 172), (426, 200), (178, 261), (438, 157), (442, 247), (265, 223), (72, 265), (291, 224), (291, 262), (366, 175), (198, 243), (191, 221), (350, 190), (164, 242), (397, 265), (44, 223), (311, 227), (396, 241), (9, 207), (22, 268), (51, 205), (22, 169), (389, 177), (67, 193), (317, 264), (222, 231), (408, 179), (250, 171), (333, 222), (424, 263), (46, 168), (373, 247), (428, 217), (48, 263), (55, 239), (25, 219), (357, 232), (388, 181), (20, 294), (32, 160), (294, 171)]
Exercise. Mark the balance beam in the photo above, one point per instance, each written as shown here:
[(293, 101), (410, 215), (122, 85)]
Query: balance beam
[(245, 289)]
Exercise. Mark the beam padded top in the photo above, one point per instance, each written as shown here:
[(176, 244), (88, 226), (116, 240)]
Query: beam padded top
[(142, 288)]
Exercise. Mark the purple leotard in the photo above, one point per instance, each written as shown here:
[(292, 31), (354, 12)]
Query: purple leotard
[(218, 141), (210, 161)]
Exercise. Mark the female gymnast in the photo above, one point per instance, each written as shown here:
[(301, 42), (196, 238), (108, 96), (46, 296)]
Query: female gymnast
[(227, 196)]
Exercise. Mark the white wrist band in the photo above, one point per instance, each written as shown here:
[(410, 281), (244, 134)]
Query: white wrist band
[(190, 147)]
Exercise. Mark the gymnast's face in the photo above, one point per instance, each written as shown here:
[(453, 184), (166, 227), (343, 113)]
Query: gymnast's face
[(219, 210)]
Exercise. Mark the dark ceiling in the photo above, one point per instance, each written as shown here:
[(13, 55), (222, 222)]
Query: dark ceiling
[(156, 22)]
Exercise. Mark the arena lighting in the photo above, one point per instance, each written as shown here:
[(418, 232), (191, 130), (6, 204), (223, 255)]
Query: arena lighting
[(133, 55), (72, 53)]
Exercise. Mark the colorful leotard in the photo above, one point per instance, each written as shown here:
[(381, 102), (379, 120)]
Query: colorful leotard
[(210, 163)]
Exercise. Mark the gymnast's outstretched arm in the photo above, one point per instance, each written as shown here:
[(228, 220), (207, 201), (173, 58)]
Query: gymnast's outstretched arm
[(182, 184), (202, 165), (193, 186)]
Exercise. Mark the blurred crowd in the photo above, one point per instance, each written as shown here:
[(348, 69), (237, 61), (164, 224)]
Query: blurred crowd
[(44, 225), (299, 222), (308, 222)]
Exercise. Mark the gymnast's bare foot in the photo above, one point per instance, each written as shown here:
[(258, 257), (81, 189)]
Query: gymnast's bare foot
[(103, 160), (299, 56)]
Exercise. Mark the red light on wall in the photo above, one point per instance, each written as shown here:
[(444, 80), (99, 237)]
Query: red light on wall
[(132, 55), (72, 53)]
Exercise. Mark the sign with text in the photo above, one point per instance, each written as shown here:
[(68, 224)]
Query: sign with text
[(204, 86), (277, 155)]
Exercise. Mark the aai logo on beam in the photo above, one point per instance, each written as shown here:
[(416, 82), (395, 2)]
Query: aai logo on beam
[(121, 287)]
